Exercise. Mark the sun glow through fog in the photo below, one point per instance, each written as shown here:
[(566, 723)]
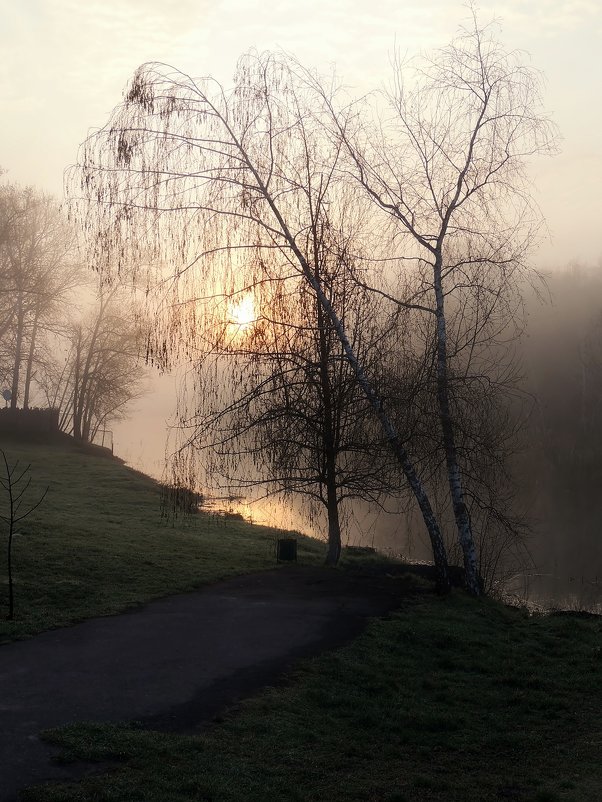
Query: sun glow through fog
[(241, 312)]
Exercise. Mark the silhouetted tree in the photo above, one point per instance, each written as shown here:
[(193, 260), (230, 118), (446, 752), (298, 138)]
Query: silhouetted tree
[(224, 186), (234, 180), (447, 168), (278, 394), (101, 372), (15, 508)]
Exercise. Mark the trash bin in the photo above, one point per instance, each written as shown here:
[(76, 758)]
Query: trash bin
[(286, 549)]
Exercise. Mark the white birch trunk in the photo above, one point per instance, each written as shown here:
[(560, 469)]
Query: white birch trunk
[(471, 571)]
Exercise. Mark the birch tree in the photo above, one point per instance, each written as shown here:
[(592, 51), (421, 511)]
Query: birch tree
[(443, 156)]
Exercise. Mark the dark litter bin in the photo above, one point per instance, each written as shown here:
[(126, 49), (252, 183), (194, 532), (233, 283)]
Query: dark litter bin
[(286, 549)]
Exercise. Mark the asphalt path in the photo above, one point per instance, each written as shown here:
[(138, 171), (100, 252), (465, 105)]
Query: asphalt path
[(176, 663)]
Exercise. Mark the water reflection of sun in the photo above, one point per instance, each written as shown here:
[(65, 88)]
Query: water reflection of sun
[(241, 312)]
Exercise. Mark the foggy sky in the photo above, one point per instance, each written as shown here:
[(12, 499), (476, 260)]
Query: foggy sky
[(64, 65)]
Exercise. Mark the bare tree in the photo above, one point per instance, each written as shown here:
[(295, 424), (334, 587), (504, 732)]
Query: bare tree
[(276, 404), (447, 168), (490, 412), (15, 482), (101, 371), (228, 183), (37, 273)]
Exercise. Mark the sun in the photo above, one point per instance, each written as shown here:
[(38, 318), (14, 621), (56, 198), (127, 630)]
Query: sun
[(241, 313)]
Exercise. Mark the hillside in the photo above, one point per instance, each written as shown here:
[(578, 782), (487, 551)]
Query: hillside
[(98, 544), (446, 700)]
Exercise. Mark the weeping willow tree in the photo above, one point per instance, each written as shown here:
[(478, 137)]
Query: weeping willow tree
[(222, 190), (276, 407)]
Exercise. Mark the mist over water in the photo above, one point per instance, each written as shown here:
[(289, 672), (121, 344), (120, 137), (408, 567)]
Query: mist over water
[(558, 471)]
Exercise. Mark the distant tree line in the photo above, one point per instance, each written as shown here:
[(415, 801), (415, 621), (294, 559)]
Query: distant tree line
[(63, 344)]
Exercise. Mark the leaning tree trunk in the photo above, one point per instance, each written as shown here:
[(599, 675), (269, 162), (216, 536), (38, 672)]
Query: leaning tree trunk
[(402, 456), (77, 390), (454, 476)]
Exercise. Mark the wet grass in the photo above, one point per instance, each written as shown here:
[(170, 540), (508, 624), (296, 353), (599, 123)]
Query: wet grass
[(447, 700), (98, 545)]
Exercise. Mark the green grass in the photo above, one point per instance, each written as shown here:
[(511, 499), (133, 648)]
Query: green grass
[(448, 700), (97, 544)]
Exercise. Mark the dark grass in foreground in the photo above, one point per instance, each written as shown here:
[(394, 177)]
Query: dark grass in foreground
[(449, 700), (97, 544)]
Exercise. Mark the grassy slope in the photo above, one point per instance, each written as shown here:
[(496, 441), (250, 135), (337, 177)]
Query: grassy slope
[(449, 700), (97, 544)]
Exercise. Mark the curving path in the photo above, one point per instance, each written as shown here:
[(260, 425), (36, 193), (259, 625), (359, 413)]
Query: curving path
[(174, 663)]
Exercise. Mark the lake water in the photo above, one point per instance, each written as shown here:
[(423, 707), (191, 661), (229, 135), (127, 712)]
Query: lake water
[(549, 591), (542, 588)]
